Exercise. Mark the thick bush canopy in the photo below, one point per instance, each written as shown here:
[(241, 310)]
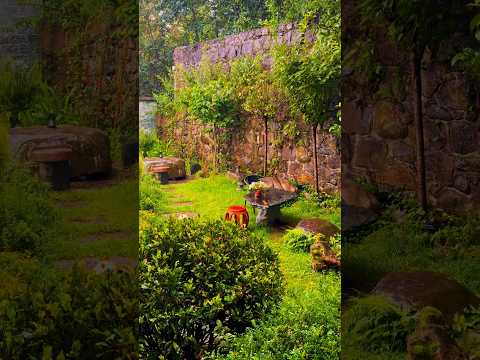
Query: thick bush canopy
[(200, 281)]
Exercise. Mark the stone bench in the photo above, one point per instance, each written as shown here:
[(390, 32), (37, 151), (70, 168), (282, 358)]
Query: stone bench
[(54, 166), (176, 167)]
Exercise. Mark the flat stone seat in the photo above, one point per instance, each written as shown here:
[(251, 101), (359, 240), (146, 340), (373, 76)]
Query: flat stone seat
[(51, 155), (159, 169), (54, 166), (90, 147), (176, 167), (318, 226), (161, 173), (417, 289)]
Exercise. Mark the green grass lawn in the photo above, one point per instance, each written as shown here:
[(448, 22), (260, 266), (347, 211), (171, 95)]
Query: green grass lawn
[(310, 299), (97, 221)]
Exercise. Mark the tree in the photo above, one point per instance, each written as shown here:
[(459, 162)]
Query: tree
[(310, 72), (263, 99), (209, 99), (417, 25)]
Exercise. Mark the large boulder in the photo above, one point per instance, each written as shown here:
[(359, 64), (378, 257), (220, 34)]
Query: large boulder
[(274, 182), (90, 147), (418, 289), (318, 226), (176, 167), (359, 207)]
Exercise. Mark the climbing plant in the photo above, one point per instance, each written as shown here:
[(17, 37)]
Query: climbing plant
[(417, 25), (263, 99), (310, 71), (208, 97)]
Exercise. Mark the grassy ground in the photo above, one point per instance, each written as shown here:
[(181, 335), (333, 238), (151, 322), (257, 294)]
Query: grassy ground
[(97, 221), (309, 296), (400, 244)]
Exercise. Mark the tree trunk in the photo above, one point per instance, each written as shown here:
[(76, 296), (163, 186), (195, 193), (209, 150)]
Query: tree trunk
[(215, 148), (265, 161), (418, 118), (315, 156)]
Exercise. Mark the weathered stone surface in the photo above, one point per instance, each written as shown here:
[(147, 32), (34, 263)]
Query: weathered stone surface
[(176, 167), (398, 175), (354, 195), (323, 257), (432, 341), (386, 122), (369, 152), (274, 182), (452, 200), (90, 148), (355, 217), (418, 289), (318, 226)]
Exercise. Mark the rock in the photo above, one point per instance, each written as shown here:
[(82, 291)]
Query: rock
[(195, 168), (386, 122), (318, 226), (418, 289), (354, 217), (176, 166), (323, 257), (274, 182), (430, 339), (90, 147), (356, 196)]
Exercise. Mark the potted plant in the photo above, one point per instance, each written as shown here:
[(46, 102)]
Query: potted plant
[(258, 187)]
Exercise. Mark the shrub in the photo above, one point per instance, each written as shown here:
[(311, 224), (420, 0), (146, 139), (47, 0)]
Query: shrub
[(298, 240), (151, 146), (27, 215), (74, 315), (307, 326), (152, 197), (373, 324), (200, 281)]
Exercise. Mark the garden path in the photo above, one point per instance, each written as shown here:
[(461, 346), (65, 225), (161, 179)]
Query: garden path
[(98, 228)]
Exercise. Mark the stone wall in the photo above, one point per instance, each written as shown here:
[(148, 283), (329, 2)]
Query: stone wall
[(19, 44), (288, 158), (378, 142), (105, 66), (249, 43)]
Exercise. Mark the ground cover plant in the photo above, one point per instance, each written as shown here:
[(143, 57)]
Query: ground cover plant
[(400, 241), (200, 281), (57, 315), (291, 331)]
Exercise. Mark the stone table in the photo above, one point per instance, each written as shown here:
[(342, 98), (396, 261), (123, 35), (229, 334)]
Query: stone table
[(176, 167), (269, 204), (90, 147)]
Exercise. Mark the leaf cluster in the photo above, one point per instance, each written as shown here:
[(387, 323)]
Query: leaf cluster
[(200, 281)]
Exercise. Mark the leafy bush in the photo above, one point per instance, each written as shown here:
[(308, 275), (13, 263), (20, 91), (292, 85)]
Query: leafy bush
[(28, 100), (372, 323), (27, 215), (75, 314), (307, 326), (152, 197), (298, 240), (200, 281), (151, 146)]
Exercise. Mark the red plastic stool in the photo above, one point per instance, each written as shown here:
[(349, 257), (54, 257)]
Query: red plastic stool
[(239, 214)]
